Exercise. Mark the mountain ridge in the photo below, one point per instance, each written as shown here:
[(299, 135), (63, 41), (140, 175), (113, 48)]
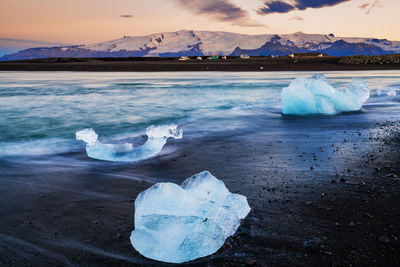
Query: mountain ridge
[(202, 43)]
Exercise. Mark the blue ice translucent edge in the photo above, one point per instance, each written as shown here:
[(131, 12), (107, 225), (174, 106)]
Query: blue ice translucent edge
[(156, 139), (315, 95), (177, 224)]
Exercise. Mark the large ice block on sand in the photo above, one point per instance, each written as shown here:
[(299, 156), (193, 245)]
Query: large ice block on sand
[(316, 96), (181, 223), (156, 139)]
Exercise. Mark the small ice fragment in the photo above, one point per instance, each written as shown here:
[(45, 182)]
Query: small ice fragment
[(181, 223), (391, 92), (385, 92), (156, 139), (316, 96)]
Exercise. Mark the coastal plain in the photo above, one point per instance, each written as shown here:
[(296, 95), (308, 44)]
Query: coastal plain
[(300, 62)]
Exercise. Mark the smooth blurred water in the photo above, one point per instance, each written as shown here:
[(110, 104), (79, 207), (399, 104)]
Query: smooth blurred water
[(41, 111)]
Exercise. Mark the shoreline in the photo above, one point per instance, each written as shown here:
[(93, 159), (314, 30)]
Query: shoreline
[(312, 203), (172, 65)]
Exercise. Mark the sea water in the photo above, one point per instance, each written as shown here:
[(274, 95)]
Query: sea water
[(41, 111)]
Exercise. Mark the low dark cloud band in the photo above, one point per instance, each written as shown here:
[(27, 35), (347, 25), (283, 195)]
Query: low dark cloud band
[(220, 10), (285, 6)]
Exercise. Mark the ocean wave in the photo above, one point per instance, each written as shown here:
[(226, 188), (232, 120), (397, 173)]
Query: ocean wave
[(392, 91), (40, 147)]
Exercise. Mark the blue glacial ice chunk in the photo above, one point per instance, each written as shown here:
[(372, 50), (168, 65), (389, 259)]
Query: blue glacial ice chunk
[(181, 223), (316, 96), (156, 139)]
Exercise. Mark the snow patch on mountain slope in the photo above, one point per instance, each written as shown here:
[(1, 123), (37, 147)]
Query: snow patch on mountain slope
[(223, 43), (382, 43), (127, 43), (159, 43), (173, 42), (323, 41)]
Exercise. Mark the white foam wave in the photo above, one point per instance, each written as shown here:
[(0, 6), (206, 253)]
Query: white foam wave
[(49, 146)]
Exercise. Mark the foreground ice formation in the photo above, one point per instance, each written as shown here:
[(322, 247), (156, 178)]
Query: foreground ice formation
[(181, 223), (316, 96), (156, 139)]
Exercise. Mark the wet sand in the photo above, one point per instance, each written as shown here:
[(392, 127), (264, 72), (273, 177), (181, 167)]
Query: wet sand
[(323, 191)]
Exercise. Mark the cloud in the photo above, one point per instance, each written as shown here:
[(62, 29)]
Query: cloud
[(369, 6), (126, 16), (285, 6), (275, 7), (296, 18), (220, 10)]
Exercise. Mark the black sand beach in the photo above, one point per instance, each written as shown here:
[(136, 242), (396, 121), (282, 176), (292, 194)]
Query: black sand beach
[(290, 105), (323, 191), (143, 64)]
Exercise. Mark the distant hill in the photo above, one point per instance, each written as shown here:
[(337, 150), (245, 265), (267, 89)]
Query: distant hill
[(8, 45), (200, 43)]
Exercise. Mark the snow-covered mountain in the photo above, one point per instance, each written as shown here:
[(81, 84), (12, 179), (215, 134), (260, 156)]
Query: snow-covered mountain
[(193, 43)]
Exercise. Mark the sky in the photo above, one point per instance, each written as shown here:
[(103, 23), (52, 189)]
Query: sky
[(89, 21)]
